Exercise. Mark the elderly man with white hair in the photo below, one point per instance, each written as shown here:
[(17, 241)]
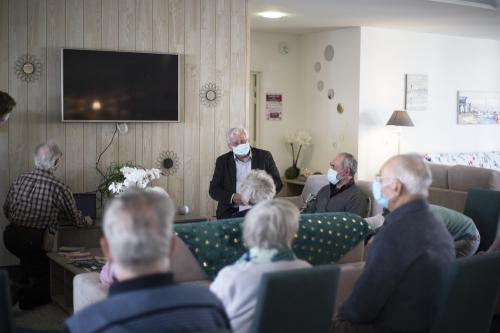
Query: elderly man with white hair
[(138, 241), (233, 167), (408, 258), (258, 186), (268, 232), (35, 203)]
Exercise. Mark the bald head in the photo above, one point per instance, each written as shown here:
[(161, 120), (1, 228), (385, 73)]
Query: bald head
[(411, 171)]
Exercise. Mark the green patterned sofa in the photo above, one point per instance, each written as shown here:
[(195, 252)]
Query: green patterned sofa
[(203, 248)]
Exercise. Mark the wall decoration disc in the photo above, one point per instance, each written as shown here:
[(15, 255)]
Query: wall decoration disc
[(210, 94), (317, 66), (340, 108), (168, 162), (28, 68), (329, 53), (331, 93), (320, 85)]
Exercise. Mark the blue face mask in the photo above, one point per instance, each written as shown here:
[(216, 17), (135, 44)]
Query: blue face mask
[(377, 195), (332, 176), (242, 150)]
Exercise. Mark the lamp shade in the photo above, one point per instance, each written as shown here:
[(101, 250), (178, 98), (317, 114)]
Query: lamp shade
[(400, 118)]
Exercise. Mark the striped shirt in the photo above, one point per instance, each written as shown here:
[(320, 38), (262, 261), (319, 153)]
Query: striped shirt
[(38, 199)]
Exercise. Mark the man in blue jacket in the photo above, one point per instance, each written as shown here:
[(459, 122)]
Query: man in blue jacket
[(138, 241), (408, 259)]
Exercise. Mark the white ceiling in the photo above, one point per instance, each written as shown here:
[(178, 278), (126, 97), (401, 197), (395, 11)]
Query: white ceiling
[(473, 18)]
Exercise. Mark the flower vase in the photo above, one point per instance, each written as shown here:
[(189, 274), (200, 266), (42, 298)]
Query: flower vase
[(292, 172)]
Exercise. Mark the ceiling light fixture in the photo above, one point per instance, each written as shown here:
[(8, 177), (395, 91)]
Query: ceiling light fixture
[(272, 15)]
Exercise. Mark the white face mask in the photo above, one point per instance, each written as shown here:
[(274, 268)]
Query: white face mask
[(332, 176), (242, 150)]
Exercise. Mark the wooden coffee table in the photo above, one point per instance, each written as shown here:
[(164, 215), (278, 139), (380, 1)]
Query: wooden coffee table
[(61, 279)]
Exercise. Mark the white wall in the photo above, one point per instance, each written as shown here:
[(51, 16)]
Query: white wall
[(332, 132), (305, 108), (278, 74), (451, 63)]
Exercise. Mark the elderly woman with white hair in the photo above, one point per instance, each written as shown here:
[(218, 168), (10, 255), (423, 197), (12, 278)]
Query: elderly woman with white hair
[(258, 186), (268, 232)]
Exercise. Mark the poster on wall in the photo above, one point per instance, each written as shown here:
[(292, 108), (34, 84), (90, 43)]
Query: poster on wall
[(478, 107), (416, 92), (274, 106)]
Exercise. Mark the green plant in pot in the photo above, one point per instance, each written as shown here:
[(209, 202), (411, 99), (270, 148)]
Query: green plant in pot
[(297, 142)]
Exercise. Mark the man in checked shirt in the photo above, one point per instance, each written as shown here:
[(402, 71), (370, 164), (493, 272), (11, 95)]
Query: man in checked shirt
[(37, 201)]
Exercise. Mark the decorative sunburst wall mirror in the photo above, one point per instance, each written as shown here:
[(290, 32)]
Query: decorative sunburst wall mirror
[(28, 68), (168, 162), (210, 94)]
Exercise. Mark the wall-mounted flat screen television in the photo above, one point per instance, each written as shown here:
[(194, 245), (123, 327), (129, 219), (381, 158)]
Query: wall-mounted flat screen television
[(117, 86)]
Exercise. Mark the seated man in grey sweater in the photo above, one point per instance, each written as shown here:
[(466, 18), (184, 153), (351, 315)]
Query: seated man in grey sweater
[(342, 194)]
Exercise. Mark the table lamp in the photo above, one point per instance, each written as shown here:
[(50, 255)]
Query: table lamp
[(399, 118)]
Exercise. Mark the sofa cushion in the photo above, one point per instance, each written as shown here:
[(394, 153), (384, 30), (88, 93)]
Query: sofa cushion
[(322, 238), (447, 198), (439, 175), (462, 178), (313, 184)]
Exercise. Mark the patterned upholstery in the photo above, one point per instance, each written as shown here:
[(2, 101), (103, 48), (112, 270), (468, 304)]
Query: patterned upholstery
[(322, 239)]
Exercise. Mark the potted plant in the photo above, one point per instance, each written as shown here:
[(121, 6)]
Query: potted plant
[(297, 142)]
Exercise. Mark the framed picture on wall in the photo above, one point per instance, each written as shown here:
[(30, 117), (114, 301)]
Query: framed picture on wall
[(478, 107), (416, 92)]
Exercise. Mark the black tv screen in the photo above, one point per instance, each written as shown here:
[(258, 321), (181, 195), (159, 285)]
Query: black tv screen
[(115, 86)]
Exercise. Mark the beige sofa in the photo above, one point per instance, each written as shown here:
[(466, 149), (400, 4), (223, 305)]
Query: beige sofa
[(88, 290), (449, 186), (451, 183)]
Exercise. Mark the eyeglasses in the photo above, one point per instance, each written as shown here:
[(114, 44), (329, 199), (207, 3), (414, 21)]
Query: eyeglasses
[(379, 178)]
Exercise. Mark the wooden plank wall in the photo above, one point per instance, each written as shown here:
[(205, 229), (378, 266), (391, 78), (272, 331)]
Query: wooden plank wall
[(211, 34)]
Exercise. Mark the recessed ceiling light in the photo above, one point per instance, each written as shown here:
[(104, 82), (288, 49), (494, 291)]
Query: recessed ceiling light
[(272, 15)]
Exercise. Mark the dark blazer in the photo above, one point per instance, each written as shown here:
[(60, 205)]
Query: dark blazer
[(153, 303), (223, 184)]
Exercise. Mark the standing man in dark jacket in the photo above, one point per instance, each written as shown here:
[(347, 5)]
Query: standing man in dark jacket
[(232, 168), (408, 259)]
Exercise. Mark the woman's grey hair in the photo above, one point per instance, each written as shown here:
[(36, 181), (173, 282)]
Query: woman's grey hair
[(138, 227), (46, 155), (412, 171), (233, 131), (350, 163), (271, 224), (257, 186)]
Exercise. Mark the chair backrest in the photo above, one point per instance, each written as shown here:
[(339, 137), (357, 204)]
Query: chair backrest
[(313, 184), (299, 300), (483, 207), (7, 321), (468, 297)]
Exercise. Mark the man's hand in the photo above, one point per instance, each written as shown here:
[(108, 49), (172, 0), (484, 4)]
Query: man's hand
[(88, 220), (237, 200)]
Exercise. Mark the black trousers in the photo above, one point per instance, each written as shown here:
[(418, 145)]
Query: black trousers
[(26, 244)]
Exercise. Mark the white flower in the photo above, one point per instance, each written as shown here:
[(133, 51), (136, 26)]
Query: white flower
[(291, 138), (134, 177), (304, 139)]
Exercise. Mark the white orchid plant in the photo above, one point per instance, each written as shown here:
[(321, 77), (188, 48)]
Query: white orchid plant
[(133, 177), (298, 142)]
